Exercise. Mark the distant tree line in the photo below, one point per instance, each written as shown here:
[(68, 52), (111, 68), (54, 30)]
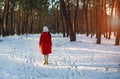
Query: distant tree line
[(90, 17), (23, 16)]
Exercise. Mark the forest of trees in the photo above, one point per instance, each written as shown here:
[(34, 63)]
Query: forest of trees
[(70, 17)]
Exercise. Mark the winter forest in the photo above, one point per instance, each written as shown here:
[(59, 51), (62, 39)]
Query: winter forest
[(90, 17), (85, 39)]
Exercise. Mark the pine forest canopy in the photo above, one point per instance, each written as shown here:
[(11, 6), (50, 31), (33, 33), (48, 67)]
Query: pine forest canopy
[(91, 17)]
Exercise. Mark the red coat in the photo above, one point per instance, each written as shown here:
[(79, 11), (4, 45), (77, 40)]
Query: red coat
[(45, 43)]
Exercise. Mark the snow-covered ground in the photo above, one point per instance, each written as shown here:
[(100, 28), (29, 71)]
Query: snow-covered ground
[(20, 58)]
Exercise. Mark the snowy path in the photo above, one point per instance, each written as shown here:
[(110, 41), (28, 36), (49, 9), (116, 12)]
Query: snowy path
[(20, 58)]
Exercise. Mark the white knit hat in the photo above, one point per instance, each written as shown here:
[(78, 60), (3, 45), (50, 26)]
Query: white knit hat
[(45, 29)]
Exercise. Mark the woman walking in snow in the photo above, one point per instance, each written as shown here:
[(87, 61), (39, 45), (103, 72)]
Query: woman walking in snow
[(45, 44)]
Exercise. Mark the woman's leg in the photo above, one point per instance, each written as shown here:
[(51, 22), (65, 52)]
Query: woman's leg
[(45, 59)]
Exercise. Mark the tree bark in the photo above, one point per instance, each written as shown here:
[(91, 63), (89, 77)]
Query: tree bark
[(117, 41), (67, 18), (5, 19), (18, 26), (98, 22), (86, 15), (12, 13)]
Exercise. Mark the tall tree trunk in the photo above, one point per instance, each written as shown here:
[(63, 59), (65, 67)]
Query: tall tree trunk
[(12, 13), (26, 22), (62, 22), (57, 21), (75, 15), (31, 21), (31, 25), (1, 26), (98, 22), (67, 18), (86, 15), (53, 21), (110, 28), (91, 24), (18, 26), (117, 41), (5, 19)]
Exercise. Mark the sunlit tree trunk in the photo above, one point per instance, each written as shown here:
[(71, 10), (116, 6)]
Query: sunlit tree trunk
[(117, 41), (104, 21), (110, 27), (98, 22), (91, 22)]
